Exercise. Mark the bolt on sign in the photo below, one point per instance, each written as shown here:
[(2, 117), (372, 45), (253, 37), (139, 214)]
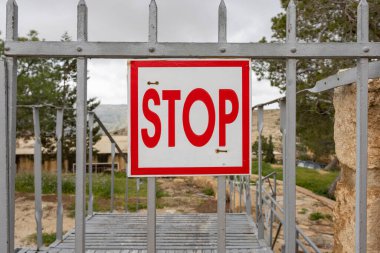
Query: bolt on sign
[(189, 117)]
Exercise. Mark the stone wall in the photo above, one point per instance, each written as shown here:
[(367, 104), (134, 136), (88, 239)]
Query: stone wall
[(345, 145)]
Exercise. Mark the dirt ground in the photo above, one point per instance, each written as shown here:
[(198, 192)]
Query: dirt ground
[(182, 195)]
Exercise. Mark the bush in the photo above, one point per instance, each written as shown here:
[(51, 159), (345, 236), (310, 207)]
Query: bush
[(316, 216), (209, 191)]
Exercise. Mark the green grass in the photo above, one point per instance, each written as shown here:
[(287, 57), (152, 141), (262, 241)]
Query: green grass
[(316, 216), (209, 191), (47, 238), (101, 190), (312, 180), (101, 184)]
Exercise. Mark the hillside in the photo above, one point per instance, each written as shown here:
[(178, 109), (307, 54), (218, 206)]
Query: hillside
[(114, 117)]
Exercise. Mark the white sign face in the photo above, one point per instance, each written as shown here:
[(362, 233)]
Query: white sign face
[(189, 117)]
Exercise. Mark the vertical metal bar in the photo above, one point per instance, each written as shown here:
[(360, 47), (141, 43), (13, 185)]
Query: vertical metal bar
[(12, 35), (137, 193), (151, 181), (257, 203), (37, 176), (153, 22), (260, 126), (58, 135), (81, 122), (231, 183), (248, 202), (273, 207), (361, 134), (90, 210), (222, 23), (240, 192), (112, 177), (4, 161), (221, 214), (126, 189), (290, 180), (222, 38), (151, 215)]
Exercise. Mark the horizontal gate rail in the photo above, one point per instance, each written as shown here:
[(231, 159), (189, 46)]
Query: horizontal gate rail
[(120, 50)]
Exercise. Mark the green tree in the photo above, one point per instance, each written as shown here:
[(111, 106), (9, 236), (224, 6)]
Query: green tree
[(317, 21), (269, 152), (46, 81), (267, 149)]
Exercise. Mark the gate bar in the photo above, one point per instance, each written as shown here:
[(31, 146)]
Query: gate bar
[(113, 177), (59, 134), (4, 161), (290, 143), (37, 176), (361, 134), (260, 126), (90, 210), (81, 131), (221, 219), (151, 180), (126, 50), (12, 35)]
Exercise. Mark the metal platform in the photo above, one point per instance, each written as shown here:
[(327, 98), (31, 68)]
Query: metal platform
[(177, 233)]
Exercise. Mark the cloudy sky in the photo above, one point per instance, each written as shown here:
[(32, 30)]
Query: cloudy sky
[(127, 20)]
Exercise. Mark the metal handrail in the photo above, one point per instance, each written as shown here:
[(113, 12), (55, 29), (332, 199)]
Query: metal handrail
[(269, 200)]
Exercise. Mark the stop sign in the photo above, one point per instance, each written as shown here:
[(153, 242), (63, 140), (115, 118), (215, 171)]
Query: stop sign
[(189, 117)]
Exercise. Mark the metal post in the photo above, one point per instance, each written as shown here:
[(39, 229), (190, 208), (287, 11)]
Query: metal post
[(90, 210), (361, 134), (58, 135), (248, 201), (222, 38), (4, 161), (137, 193), (151, 215), (81, 122), (11, 35), (112, 177), (257, 203), (240, 193), (126, 189), (231, 183), (290, 180), (37, 176), (221, 214), (260, 126), (151, 180)]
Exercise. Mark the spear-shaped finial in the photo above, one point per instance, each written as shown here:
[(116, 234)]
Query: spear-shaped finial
[(152, 21), (222, 22), (363, 22), (291, 22), (82, 21), (12, 20)]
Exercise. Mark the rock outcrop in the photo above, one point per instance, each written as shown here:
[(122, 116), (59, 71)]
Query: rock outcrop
[(345, 145)]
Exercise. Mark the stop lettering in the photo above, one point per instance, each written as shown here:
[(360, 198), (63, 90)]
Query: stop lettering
[(199, 94)]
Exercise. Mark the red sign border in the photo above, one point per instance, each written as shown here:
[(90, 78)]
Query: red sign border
[(133, 168)]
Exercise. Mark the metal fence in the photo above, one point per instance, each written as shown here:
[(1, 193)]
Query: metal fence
[(291, 50)]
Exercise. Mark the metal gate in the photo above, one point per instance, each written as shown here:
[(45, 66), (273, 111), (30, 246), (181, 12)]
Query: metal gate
[(291, 50)]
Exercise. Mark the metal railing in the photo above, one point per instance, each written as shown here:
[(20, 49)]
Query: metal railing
[(276, 215), (38, 169), (291, 50)]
